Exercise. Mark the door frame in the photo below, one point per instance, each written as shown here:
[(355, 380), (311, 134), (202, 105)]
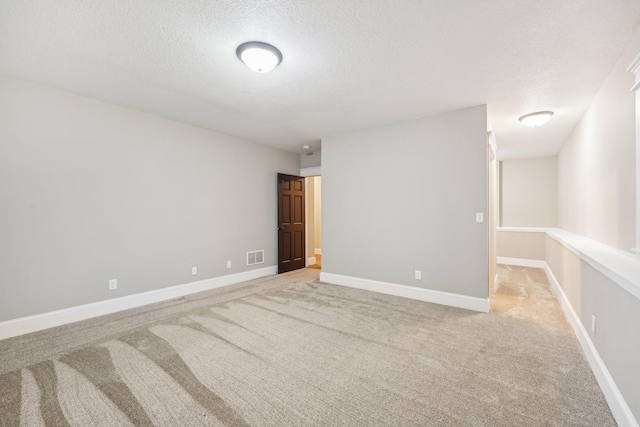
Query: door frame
[(292, 225), (311, 172)]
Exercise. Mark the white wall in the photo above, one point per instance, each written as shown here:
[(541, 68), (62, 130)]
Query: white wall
[(596, 165), (91, 192), (529, 195), (403, 197)]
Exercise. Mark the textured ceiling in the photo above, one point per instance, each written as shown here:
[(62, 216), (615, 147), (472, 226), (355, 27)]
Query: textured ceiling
[(347, 65)]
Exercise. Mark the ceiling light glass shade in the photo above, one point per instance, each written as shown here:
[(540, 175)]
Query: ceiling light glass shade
[(260, 57), (536, 119)]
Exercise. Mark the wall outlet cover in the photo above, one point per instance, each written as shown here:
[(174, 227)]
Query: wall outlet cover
[(113, 284)]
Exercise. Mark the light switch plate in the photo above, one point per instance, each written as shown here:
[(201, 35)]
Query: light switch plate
[(479, 217)]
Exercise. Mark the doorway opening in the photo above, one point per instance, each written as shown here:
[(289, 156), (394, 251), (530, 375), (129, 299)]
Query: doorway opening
[(291, 223), (313, 200)]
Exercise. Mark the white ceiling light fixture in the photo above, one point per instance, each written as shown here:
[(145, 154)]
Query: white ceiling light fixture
[(258, 56), (536, 119)]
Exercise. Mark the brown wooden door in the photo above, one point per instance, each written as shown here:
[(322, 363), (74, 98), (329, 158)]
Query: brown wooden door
[(291, 241)]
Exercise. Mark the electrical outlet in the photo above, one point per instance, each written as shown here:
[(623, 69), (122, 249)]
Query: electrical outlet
[(113, 284), (228, 264), (593, 324), (194, 271), (418, 275)]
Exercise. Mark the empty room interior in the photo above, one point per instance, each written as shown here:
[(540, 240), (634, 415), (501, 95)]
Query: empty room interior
[(327, 213)]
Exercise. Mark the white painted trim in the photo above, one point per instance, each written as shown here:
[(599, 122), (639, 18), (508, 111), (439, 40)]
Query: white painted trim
[(38, 322), (622, 268), (492, 142), (634, 69), (523, 229), (619, 408), (428, 295), (311, 261), (313, 171), (521, 262), (317, 251), (635, 65)]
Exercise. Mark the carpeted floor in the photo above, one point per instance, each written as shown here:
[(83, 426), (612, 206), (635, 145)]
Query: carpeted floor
[(290, 351)]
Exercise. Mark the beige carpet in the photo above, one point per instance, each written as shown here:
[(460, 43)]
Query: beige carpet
[(290, 351)]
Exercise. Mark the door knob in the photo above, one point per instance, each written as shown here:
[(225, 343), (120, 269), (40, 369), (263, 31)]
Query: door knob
[(280, 228)]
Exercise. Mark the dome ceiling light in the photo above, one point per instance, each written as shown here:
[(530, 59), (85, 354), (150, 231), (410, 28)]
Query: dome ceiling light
[(258, 56), (536, 119)]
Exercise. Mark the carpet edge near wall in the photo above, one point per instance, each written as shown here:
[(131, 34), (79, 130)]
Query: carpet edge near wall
[(616, 401)]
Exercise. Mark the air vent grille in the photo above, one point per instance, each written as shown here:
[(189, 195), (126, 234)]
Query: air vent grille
[(255, 257)]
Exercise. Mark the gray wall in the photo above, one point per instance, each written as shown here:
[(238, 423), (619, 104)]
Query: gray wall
[(92, 191), (309, 160), (403, 197)]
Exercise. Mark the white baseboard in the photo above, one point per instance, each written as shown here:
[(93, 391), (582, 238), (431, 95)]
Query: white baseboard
[(38, 322), (311, 261), (521, 262), (428, 295), (317, 251), (619, 408)]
